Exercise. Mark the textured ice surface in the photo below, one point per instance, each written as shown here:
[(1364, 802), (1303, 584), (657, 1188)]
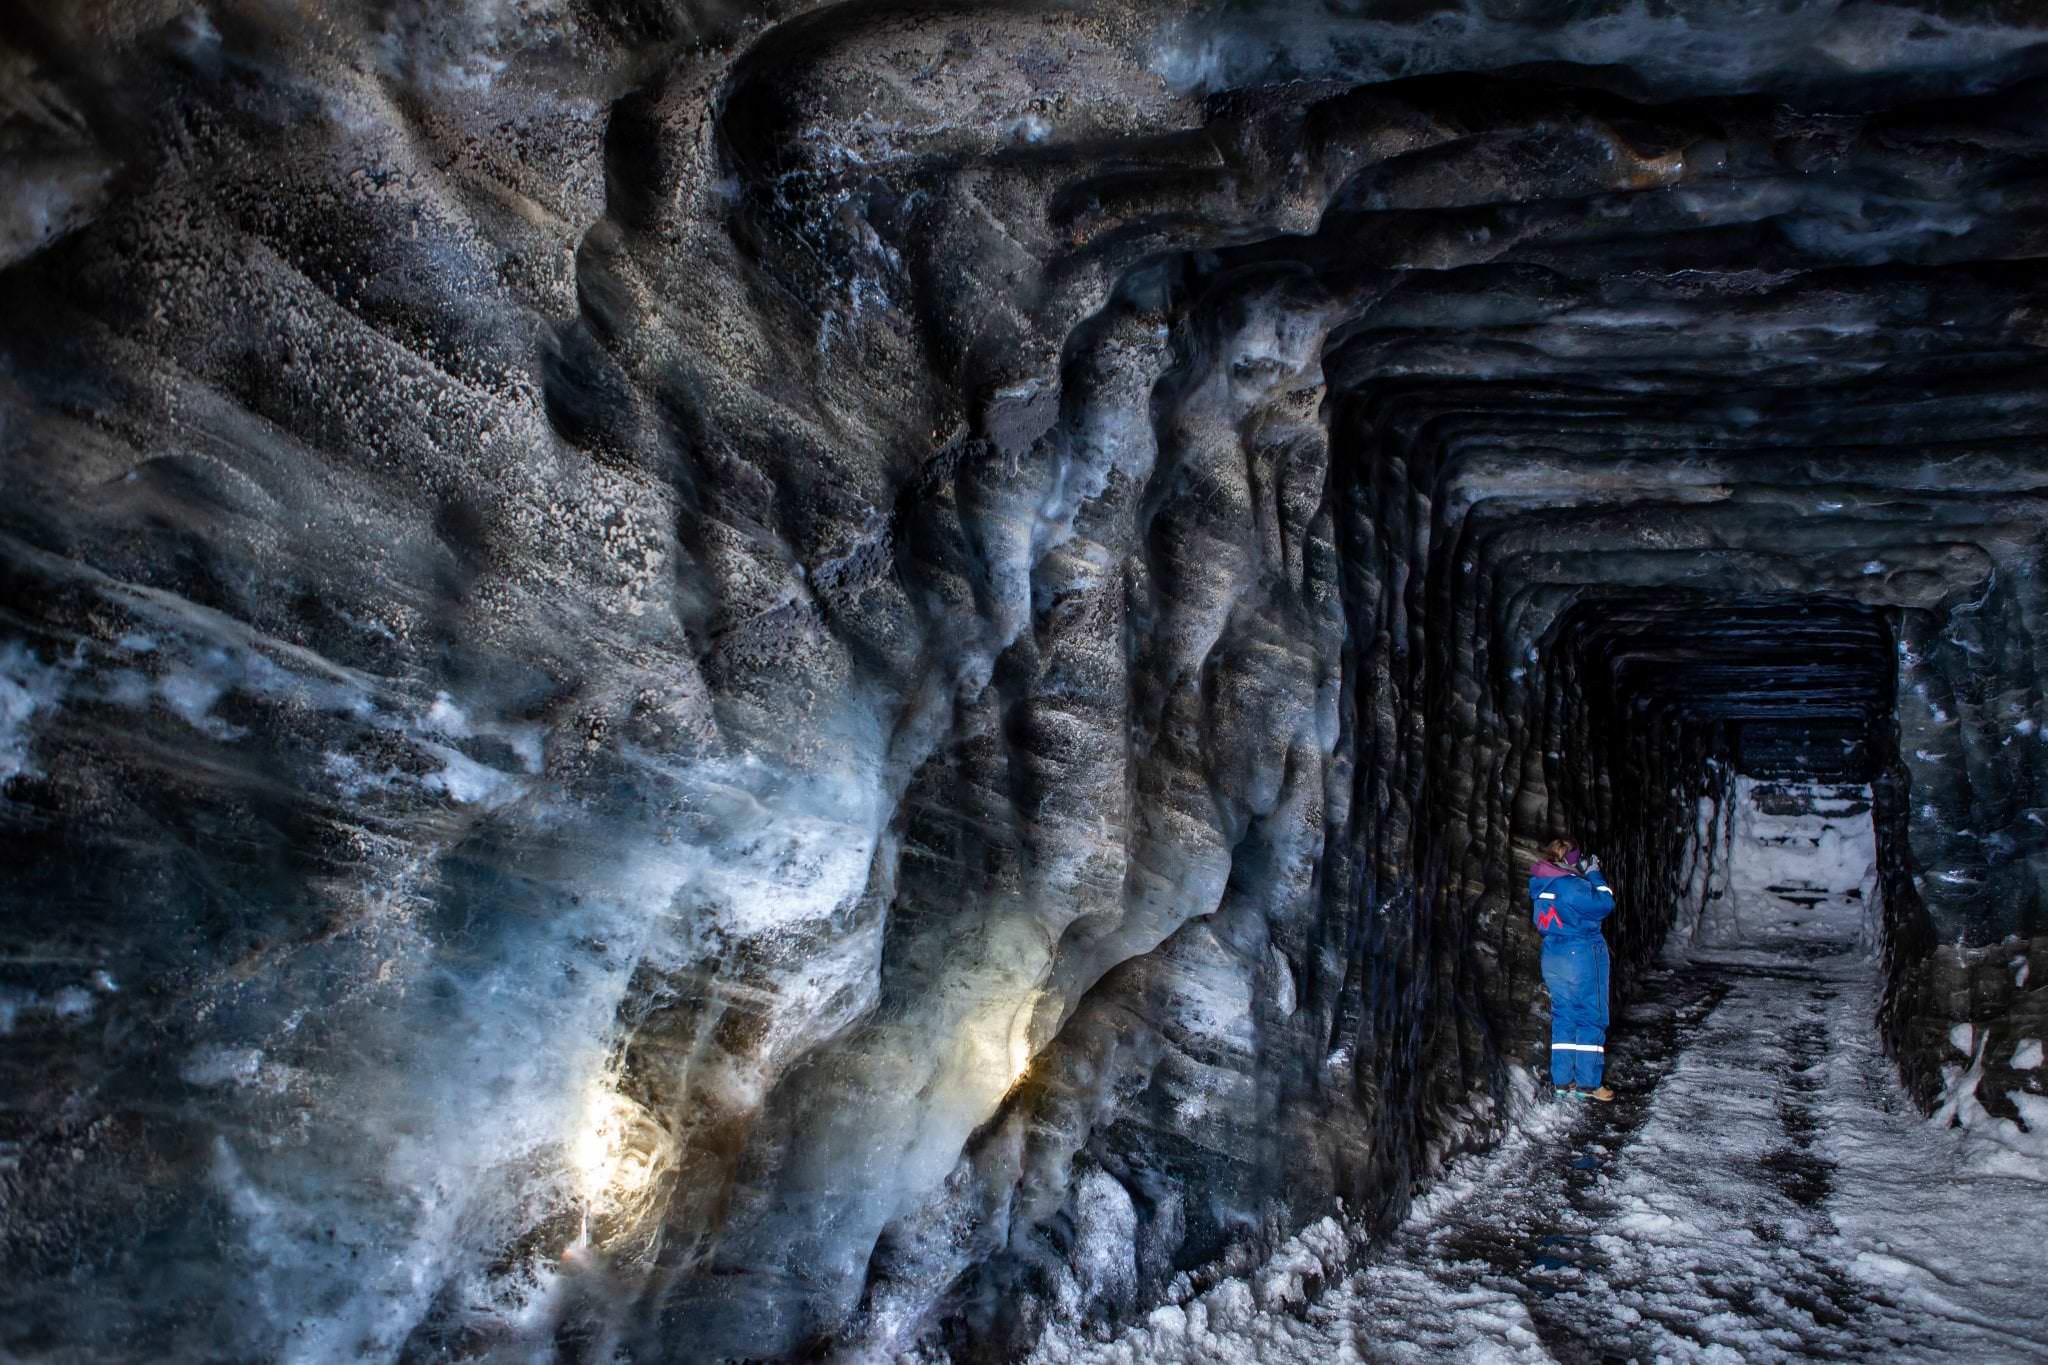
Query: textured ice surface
[(766, 676)]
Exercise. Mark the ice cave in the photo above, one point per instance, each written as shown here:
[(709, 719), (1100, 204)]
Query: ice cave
[(875, 680)]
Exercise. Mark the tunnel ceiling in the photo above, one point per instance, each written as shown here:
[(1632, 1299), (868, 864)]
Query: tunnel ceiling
[(1792, 686), (1720, 659), (792, 681), (1734, 346)]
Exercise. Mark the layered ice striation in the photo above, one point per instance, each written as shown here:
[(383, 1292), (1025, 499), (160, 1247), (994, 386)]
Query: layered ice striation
[(718, 681)]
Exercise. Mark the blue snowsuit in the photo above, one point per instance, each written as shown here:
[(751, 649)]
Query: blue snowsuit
[(1568, 910)]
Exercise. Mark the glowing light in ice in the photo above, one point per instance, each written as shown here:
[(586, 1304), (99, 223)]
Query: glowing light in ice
[(611, 1155), (1020, 1043), (999, 1046)]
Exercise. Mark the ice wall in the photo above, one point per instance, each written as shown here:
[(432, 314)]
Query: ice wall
[(712, 681)]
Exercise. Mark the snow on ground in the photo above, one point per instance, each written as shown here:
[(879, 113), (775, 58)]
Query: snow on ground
[(1762, 1191)]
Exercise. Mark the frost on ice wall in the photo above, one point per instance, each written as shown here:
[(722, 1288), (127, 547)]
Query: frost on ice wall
[(782, 675)]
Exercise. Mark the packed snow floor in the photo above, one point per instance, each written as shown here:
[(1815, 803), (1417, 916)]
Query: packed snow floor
[(1762, 1190)]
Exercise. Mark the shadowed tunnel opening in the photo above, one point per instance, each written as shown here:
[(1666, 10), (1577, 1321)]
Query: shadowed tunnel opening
[(1794, 687), (1669, 699)]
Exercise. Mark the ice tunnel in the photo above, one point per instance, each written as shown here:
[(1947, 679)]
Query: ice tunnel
[(696, 681)]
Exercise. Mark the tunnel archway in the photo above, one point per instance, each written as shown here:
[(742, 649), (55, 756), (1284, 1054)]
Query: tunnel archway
[(1684, 701)]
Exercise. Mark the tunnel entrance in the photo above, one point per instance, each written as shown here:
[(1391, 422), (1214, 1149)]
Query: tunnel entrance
[(1731, 742), (1785, 859)]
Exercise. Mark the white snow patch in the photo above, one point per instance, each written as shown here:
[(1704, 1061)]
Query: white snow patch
[(192, 694), (1283, 982), (1105, 1241), (211, 1066), (72, 1003), (1754, 871), (27, 686), (68, 1005), (469, 782), (2027, 1055), (445, 717)]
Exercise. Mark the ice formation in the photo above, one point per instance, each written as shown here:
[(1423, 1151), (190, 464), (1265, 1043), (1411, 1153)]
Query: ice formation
[(698, 680)]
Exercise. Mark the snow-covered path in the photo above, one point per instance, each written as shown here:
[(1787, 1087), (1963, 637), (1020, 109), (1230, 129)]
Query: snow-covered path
[(1762, 1190)]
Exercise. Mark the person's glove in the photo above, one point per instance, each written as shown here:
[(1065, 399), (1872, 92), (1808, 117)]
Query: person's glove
[(1591, 864)]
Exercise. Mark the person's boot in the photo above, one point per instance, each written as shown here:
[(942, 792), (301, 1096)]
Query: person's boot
[(1567, 1092), (1600, 1093)]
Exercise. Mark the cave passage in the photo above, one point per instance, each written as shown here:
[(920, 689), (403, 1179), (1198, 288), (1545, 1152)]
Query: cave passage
[(695, 681), (1693, 709), (1760, 1188)]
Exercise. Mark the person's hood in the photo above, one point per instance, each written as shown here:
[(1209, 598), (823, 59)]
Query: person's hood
[(1550, 869)]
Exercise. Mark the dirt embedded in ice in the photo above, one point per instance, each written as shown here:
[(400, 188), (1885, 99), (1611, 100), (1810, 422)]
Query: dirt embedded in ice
[(846, 629)]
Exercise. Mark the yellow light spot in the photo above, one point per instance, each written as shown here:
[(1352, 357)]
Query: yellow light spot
[(1000, 1043), (615, 1151), (1020, 1041)]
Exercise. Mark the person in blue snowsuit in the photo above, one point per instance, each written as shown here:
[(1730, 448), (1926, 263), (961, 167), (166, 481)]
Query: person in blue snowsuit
[(1567, 901)]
